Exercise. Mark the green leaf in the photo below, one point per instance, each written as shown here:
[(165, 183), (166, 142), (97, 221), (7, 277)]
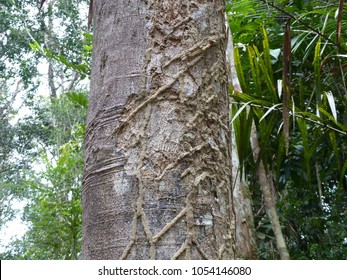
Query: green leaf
[(332, 105), (267, 52), (239, 70), (254, 70), (306, 145), (330, 117), (269, 111), (78, 98), (266, 70), (239, 111), (242, 126), (334, 145), (317, 74), (343, 174)]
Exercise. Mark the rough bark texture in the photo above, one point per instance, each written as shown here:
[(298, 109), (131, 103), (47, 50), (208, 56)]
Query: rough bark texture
[(244, 222), (157, 165), (242, 202)]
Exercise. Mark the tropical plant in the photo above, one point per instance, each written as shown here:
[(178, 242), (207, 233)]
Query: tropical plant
[(43, 148), (301, 136), (53, 212)]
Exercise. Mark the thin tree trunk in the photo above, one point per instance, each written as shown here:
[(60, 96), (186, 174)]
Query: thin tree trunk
[(245, 232), (265, 181), (53, 90), (157, 149), (267, 188), (48, 43)]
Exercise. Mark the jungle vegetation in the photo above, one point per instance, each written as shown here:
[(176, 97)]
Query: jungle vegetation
[(291, 63)]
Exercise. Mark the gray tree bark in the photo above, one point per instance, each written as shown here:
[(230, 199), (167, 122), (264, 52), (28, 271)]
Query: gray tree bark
[(157, 160), (244, 222)]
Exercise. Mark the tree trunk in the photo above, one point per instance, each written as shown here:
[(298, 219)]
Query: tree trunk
[(244, 222), (265, 182), (157, 160), (268, 190)]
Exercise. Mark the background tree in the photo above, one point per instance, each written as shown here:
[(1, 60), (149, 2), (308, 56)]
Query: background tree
[(6, 145), (42, 162)]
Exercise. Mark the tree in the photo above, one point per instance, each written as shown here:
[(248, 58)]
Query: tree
[(53, 211), (157, 182), (306, 164), (6, 140), (41, 141)]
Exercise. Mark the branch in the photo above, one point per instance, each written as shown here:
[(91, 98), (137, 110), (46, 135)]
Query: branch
[(303, 23)]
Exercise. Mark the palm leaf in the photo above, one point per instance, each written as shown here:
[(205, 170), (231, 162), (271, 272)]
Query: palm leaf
[(254, 70), (286, 83), (242, 125), (266, 51), (330, 117), (343, 174), (266, 75), (239, 71), (317, 73)]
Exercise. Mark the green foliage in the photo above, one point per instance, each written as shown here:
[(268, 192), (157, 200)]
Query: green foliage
[(7, 168), (53, 212), (310, 179), (7, 135), (15, 55), (41, 151), (82, 68), (78, 98)]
